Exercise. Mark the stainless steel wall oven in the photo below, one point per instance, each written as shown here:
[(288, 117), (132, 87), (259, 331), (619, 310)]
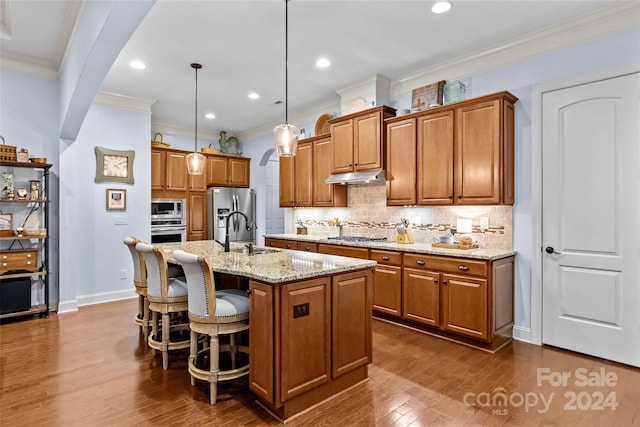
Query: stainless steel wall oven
[(168, 220)]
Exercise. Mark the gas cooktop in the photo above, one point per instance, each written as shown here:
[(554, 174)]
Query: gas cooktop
[(359, 239)]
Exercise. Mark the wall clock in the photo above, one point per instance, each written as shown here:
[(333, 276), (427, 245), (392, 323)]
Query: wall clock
[(114, 165)]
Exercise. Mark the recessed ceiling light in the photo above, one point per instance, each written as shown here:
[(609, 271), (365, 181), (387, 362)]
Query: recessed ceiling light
[(253, 95), (137, 64), (210, 116), (323, 63), (441, 7)]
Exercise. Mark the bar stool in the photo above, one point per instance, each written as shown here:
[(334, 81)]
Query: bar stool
[(166, 295), (213, 313), (140, 282)]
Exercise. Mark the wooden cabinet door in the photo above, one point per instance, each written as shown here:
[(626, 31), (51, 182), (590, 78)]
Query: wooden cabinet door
[(387, 289), (305, 320), (158, 169), (401, 163), (197, 211), (287, 182), (322, 192), (351, 304), (239, 170), (435, 159), (478, 154), (199, 182), (465, 306), (421, 296), (176, 171), (304, 175), (261, 339), (367, 146), (342, 146), (217, 171)]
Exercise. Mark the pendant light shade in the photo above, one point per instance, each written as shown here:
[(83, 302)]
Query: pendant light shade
[(286, 134), (195, 160)]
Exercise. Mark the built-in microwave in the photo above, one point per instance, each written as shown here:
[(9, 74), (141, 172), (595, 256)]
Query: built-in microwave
[(173, 210)]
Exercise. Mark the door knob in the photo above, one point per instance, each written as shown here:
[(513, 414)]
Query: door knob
[(550, 250)]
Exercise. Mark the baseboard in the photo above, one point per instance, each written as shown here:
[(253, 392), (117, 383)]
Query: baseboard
[(69, 306), (521, 333)]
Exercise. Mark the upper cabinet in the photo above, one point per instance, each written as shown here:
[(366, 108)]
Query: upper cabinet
[(302, 177), (358, 140), (464, 154), (169, 170), (228, 171)]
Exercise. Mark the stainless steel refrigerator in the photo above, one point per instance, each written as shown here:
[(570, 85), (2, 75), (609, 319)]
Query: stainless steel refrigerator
[(224, 200)]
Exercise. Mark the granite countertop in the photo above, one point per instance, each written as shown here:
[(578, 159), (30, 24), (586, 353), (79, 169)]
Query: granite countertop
[(273, 266), (421, 248)]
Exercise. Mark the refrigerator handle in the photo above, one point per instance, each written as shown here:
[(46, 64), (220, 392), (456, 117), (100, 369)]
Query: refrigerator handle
[(235, 208)]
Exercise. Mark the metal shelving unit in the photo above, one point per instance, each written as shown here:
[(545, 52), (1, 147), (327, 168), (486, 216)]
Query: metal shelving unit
[(37, 172)]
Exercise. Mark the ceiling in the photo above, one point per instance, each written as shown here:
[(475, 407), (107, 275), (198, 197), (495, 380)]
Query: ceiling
[(241, 47)]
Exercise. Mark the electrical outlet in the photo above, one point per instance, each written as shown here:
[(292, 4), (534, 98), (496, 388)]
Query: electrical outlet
[(120, 220), (484, 223), (417, 221), (123, 274)]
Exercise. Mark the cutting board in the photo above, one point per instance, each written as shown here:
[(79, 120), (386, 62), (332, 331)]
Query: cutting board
[(463, 247)]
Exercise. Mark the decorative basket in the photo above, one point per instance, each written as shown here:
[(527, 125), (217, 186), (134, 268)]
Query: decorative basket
[(35, 232), (209, 150), (7, 152), (159, 144)]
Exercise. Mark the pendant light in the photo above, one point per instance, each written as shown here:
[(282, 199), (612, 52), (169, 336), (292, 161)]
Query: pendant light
[(286, 134), (195, 160)]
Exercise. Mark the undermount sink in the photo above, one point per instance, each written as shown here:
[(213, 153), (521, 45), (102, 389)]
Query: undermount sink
[(256, 251)]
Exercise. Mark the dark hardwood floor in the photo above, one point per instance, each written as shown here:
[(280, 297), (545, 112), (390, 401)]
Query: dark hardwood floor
[(92, 368)]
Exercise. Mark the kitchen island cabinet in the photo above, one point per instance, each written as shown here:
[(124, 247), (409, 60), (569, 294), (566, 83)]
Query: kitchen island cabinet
[(290, 294)]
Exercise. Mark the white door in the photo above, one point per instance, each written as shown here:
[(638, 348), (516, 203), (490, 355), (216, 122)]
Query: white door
[(590, 216)]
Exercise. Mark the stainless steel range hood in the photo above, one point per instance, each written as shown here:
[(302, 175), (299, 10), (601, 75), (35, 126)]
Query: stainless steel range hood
[(372, 177)]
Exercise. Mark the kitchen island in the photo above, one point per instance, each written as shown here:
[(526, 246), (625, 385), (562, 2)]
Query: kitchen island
[(310, 321)]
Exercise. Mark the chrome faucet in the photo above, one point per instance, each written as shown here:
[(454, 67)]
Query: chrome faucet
[(226, 235)]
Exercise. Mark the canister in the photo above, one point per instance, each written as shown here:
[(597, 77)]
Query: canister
[(22, 155)]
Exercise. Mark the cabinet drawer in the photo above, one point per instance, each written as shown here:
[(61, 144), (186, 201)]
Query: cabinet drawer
[(308, 246), (447, 264), (19, 259), (343, 251), (278, 243), (386, 257)]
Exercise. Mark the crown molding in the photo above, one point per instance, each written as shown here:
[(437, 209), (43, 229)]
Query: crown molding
[(29, 66), (123, 102), (619, 17), (186, 131), (308, 116)]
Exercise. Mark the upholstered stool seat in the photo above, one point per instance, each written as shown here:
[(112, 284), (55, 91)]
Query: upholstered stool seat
[(166, 295), (140, 282), (213, 313)]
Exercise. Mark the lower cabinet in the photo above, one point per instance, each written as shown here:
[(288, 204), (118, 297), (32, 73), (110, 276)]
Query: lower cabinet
[(387, 283), (280, 243), (472, 298), (309, 339)]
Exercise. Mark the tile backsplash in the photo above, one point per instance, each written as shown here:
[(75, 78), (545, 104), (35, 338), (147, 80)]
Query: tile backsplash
[(368, 215)]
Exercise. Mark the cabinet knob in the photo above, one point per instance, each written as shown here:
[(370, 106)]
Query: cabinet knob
[(307, 248), (4, 264), (4, 257), (288, 246), (463, 268), (435, 280), (28, 262), (420, 262), (385, 258), (270, 243), (444, 282), (28, 255), (459, 196)]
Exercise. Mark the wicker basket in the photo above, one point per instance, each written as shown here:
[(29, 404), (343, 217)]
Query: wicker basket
[(159, 144), (7, 152), (209, 150)]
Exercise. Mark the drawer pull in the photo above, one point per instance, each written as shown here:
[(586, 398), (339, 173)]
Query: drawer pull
[(288, 246), (28, 262), (463, 268), (307, 248), (28, 255), (270, 243), (4, 264), (385, 258), (4, 257), (420, 262)]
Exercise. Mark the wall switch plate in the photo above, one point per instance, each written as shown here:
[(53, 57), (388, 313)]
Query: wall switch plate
[(120, 220), (484, 222), (417, 221), (123, 274)]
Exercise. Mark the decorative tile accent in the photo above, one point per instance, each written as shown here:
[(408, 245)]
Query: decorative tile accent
[(368, 215)]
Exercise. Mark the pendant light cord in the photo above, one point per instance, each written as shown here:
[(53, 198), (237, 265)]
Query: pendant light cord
[(196, 67), (286, 61)]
